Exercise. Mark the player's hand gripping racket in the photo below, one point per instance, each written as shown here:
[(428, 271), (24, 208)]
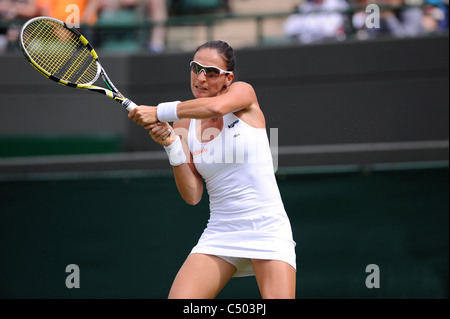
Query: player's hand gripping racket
[(65, 56)]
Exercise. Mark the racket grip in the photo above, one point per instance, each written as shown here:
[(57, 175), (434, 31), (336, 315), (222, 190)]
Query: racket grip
[(129, 105)]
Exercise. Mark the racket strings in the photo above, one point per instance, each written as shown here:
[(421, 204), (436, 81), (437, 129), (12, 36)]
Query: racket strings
[(60, 52)]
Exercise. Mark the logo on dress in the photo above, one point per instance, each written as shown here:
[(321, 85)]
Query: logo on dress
[(233, 124), (200, 152)]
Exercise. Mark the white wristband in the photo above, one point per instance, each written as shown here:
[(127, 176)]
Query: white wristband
[(167, 112), (176, 153)]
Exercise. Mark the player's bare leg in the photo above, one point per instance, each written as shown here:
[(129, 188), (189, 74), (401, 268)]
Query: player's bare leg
[(201, 277), (276, 279)]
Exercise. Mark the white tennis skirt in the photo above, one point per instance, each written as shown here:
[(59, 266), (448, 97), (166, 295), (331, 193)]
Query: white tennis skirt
[(266, 236)]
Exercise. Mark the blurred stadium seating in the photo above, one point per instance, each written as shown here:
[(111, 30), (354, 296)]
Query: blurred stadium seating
[(193, 22)]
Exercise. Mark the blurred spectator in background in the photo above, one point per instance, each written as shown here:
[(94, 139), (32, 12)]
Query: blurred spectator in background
[(401, 21), (359, 17), (435, 19), (318, 21), (399, 18), (156, 11), (11, 13), (63, 10)]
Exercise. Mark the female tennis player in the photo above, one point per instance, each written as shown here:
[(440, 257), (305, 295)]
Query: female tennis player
[(221, 137)]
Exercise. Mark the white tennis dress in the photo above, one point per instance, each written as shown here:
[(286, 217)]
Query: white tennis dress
[(248, 219)]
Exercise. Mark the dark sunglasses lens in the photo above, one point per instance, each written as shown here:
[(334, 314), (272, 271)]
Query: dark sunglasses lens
[(198, 68), (212, 70)]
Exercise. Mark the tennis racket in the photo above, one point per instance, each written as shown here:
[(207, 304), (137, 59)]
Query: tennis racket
[(64, 55)]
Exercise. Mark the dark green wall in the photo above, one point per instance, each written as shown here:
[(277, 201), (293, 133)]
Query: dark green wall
[(383, 91), (129, 234)]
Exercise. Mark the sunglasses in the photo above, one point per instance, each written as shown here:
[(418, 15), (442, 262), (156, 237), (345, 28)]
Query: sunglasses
[(198, 68)]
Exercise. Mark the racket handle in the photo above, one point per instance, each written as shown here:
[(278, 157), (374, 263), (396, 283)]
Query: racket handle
[(129, 105)]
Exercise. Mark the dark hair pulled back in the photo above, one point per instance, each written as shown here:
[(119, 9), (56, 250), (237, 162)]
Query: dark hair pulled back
[(224, 49)]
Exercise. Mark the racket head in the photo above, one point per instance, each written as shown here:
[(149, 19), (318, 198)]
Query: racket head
[(59, 52)]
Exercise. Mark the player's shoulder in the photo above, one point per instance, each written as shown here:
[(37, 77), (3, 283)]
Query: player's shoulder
[(242, 89), (242, 86)]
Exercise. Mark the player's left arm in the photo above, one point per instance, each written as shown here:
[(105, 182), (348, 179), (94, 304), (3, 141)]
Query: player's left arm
[(239, 97)]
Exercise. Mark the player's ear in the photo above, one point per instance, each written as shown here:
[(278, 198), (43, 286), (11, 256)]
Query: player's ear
[(229, 80)]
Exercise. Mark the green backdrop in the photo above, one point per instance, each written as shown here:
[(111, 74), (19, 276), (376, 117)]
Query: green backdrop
[(130, 232)]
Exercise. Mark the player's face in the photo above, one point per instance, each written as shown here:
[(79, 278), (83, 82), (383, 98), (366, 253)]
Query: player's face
[(211, 84)]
